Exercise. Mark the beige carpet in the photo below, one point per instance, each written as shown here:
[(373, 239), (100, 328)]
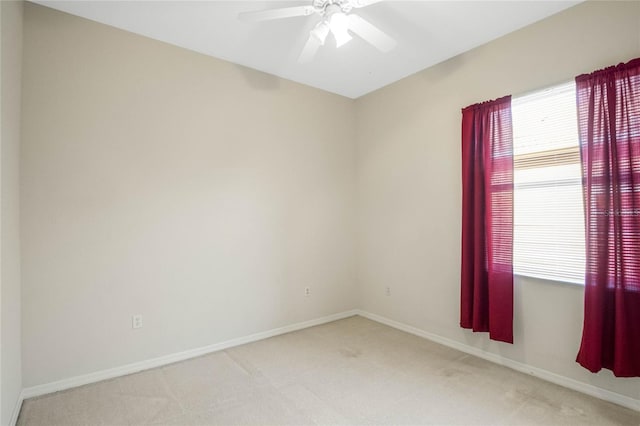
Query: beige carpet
[(348, 372)]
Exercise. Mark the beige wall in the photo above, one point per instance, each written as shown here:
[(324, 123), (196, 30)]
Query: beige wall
[(157, 181), (10, 65), (409, 184)]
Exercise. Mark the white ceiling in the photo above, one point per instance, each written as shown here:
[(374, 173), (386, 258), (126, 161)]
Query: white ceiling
[(428, 32)]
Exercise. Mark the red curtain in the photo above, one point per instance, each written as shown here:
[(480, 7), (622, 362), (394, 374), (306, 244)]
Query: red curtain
[(487, 219), (609, 124)]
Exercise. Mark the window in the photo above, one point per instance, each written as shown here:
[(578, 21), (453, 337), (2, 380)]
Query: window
[(548, 206)]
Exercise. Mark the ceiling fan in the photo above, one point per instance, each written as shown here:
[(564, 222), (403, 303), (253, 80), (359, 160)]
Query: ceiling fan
[(336, 18)]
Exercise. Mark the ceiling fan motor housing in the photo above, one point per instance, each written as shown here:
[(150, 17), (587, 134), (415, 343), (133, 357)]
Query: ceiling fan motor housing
[(328, 7)]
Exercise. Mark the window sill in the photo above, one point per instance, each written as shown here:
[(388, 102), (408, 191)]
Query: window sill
[(560, 281)]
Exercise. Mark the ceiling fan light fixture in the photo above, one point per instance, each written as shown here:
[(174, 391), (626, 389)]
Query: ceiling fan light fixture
[(321, 31), (342, 38), (339, 25)]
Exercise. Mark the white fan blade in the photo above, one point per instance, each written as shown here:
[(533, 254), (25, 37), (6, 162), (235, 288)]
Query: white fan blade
[(363, 3), (309, 50), (371, 34), (287, 12)]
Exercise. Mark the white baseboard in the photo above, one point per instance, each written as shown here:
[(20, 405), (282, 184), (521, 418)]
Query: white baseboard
[(16, 410), (111, 373), (576, 385)]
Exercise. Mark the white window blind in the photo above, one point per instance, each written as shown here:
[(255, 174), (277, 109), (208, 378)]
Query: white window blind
[(548, 205)]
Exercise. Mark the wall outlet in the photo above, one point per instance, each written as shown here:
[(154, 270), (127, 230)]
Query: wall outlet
[(136, 321), (387, 291), (307, 291)]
